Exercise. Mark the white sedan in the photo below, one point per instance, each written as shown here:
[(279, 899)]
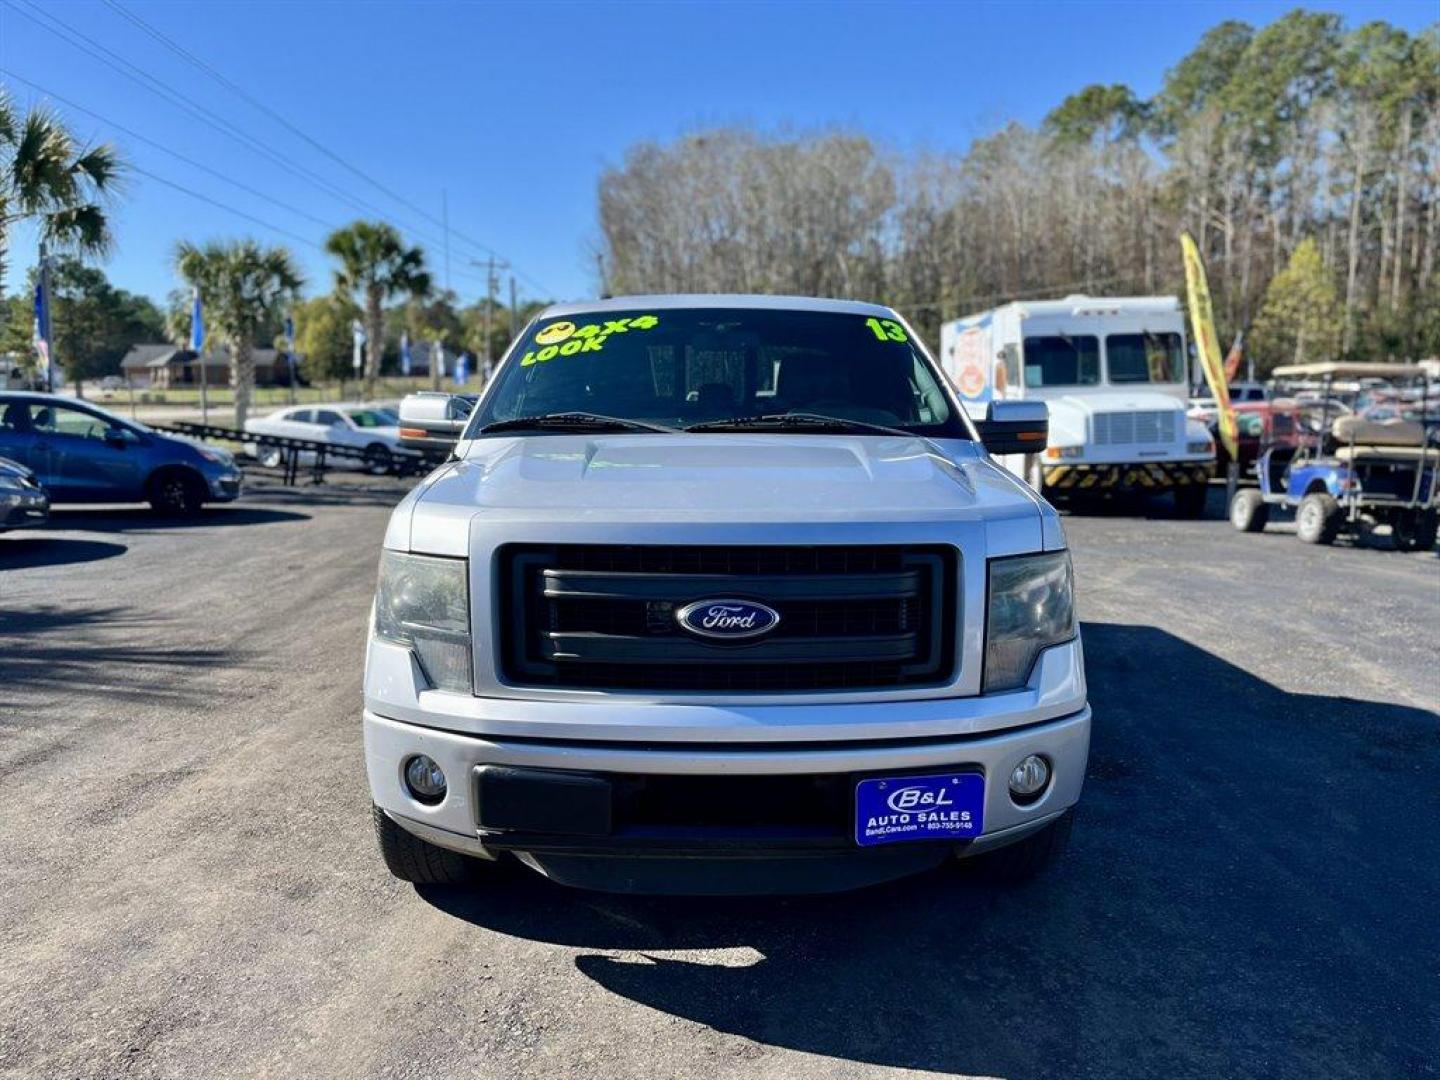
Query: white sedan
[(371, 428)]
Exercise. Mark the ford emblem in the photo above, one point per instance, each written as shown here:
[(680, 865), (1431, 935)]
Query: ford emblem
[(727, 619)]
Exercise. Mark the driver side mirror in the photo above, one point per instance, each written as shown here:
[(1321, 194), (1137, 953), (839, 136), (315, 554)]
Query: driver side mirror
[(1015, 427)]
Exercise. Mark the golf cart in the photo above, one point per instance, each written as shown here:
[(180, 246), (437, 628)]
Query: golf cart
[(1347, 473)]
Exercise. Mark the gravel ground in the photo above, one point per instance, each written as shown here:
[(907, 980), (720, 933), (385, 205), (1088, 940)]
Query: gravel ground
[(189, 884)]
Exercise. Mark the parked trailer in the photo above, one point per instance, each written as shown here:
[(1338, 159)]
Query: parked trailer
[(288, 450), (1112, 373)]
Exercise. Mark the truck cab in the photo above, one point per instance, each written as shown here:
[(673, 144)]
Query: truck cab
[(1112, 374)]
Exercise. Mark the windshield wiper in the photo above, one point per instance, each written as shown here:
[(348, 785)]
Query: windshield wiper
[(813, 421), (573, 421)]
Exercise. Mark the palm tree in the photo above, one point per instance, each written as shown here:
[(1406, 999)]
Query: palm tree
[(244, 288), (48, 178), (375, 265)]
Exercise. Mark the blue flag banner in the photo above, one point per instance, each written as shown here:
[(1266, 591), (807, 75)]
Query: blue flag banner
[(290, 345), (462, 369), (404, 354), (197, 323), (42, 329)]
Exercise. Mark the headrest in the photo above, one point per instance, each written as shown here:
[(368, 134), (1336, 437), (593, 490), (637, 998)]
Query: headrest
[(1378, 432)]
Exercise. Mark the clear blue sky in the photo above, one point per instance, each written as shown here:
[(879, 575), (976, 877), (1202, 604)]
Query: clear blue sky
[(514, 110)]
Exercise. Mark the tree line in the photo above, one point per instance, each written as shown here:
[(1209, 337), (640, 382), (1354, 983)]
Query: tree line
[(1303, 156)]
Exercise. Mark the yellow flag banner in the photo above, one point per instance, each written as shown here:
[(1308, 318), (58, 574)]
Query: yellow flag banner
[(1202, 324)]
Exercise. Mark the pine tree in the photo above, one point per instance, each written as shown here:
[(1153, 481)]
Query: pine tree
[(1301, 318)]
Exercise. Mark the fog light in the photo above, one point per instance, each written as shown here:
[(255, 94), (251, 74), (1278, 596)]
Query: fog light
[(425, 779), (1029, 778)]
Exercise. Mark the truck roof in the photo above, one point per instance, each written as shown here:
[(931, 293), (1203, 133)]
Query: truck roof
[(1080, 304), (718, 300)]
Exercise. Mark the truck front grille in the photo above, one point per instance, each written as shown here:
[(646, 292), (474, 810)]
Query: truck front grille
[(595, 617), (1123, 428)]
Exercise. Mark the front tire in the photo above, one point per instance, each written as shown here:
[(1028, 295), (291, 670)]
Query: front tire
[(411, 859), (1028, 858), (1414, 530), (176, 493), (1249, 511), (1318, 519), (378, 460)]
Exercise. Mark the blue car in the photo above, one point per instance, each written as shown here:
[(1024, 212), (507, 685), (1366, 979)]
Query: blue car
[(83, 453)]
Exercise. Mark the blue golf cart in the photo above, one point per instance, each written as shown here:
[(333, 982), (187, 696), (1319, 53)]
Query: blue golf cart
[(1348, 474)]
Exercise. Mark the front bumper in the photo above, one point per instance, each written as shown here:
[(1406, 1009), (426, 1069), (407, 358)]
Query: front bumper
[(820, 852), (1127, 476), (25, 509), (225, 486)]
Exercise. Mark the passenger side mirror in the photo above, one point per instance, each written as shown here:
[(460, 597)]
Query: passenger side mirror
[(429, 417), (117, 437), (1015, 427)]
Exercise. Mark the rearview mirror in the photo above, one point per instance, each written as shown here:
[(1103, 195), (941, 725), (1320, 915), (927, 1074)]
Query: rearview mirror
[(1015, 427)]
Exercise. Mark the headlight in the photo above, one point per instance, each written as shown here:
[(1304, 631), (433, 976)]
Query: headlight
[(1198, 447), (215, 454), (1031, 608), (423, 603)]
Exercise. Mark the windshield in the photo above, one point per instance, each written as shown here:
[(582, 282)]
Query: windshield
[(369, 418), (1062, 360), (683, 367), (1144, 358)]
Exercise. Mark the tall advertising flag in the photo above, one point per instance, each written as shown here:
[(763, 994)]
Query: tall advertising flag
[(197, 323), (42, 330), (1235, 355), (405, 354), (358, 334), (462, 369), (290, 346), (1202, 323)]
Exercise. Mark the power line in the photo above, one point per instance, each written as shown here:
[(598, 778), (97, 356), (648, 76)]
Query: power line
[(231, 209), (118, 63), (239, 90), (54, 25), (167, 150)]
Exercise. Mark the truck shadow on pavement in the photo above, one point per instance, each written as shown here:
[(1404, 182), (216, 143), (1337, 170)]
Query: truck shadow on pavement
[(141, 519), (1249, 891), (28, 553)]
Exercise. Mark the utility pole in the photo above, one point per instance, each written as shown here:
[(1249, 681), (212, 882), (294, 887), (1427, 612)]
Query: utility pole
[(491, 264), (445, 220), (600, 268), (514, 310)]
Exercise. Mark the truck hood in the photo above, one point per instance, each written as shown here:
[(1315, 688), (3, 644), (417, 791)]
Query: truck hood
[(723, 477)]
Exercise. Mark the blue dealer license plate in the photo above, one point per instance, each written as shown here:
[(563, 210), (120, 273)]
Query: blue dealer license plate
[(949, 806)]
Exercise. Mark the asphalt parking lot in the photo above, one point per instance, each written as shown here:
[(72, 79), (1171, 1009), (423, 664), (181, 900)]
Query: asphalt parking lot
[(189, 885)]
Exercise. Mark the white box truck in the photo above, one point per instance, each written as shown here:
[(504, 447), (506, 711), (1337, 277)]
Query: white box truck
[(1112, 373)]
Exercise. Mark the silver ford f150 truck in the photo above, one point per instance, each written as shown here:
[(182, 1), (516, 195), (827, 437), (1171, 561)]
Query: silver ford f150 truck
[(724, 594)]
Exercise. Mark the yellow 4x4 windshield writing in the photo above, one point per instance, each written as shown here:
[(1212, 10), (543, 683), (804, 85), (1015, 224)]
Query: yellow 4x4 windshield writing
[(690, 366)]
